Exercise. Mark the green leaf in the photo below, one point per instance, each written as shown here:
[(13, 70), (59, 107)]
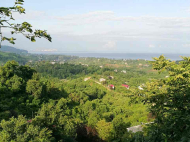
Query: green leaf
[(33, 39), (12, 42), (19, 3)]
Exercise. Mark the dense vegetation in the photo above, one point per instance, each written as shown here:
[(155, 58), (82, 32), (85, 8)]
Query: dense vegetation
[(168, 100), (47, 106), (49, 99), (69, 108), (61, 110), (58, 98)]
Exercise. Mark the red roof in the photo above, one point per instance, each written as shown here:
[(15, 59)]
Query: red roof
[(111, 85), (127, 86)]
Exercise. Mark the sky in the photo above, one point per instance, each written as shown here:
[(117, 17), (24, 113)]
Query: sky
[(106, 26)]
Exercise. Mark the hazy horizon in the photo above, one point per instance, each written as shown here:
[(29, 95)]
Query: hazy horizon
[(121, 26)]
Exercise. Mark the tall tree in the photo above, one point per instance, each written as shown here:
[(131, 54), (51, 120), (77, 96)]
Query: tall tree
[(169, 100)]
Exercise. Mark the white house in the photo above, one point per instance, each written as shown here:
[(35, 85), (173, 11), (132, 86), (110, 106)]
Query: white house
[(124, 71), (52, 63), (102, 80), (87, 78), (140, 88), (61, 63), (135, 129)]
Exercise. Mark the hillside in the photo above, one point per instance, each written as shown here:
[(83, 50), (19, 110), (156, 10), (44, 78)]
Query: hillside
[(12, 50), (4, 57)]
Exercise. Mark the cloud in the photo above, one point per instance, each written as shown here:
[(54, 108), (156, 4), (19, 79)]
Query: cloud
[(103, 16), (151, 46), (110, 45), (31, 15), (86, 18), (186, 45), (108, 31)]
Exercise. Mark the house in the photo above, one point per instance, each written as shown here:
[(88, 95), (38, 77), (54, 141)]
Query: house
[(87, 78), (146, 65), (140, 64), (124, 71), (111, 86), (52, 63), (115, 70), (102, 80), (61, 63), (140, 88), (166, 76), (85, 65), (111, 77), (138, 128), (101, 66), (126, 86), (135, 129)]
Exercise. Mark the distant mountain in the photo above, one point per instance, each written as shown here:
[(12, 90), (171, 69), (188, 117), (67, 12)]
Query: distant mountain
[(12, 50)]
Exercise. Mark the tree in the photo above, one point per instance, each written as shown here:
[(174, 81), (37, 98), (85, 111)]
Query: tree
[(105, 130), (6, 18), (21, 130), (169, 101)]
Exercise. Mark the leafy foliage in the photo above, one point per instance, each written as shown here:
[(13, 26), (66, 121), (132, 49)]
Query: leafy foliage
[(6, 18), (168, 100), (20, 130)]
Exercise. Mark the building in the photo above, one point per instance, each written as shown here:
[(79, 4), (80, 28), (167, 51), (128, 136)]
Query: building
[(111, 77), (61, 63), (135, 129), (124, 71), (140, 88), (101, 66), (52, 63), (102, 80), (111, 86), (126, 86), (87, 78), (115, 70), (146, 65), (85, 65)]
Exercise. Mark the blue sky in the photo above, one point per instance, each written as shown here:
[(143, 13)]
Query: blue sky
[(130, 26)]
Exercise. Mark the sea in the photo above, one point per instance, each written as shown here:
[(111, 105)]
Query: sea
[(133, 56)]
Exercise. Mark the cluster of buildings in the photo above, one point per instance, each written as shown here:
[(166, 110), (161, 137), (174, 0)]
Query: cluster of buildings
[(111, 86)]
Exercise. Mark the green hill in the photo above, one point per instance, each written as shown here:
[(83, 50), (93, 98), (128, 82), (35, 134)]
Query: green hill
[(4, 57), (12, 50)]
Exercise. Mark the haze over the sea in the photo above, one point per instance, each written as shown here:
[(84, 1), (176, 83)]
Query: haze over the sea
[(145, 56), (107, 26)]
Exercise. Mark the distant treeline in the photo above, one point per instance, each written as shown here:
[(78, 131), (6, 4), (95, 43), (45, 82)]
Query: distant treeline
[(66, 70)]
